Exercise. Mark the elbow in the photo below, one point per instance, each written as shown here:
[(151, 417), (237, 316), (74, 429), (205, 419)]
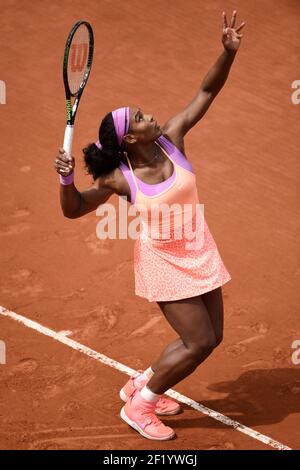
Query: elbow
[(211, 91)]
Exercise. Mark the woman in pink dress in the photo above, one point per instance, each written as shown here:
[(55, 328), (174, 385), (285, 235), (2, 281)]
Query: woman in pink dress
[(136, 158)]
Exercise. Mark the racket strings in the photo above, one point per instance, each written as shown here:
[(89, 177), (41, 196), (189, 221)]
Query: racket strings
[(78, 58)]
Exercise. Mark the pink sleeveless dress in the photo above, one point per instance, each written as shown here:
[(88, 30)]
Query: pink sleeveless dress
[(175, 255)]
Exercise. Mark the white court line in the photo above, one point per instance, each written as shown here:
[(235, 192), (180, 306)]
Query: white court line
[(127, 370)]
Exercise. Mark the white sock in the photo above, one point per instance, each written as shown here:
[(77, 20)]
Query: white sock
[(139, 379), (149, 372), (146, 375), (148, 395)]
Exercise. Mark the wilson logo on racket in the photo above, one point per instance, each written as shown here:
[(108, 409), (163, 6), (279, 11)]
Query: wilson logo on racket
[(69, 110), (78, 59)]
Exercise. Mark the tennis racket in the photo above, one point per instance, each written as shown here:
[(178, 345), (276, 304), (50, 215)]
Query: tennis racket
[(77, 65)]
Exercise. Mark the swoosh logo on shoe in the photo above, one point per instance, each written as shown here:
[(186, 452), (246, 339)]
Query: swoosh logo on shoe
[(141, 425)]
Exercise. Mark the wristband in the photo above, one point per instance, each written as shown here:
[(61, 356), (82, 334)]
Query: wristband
[(66, 179)]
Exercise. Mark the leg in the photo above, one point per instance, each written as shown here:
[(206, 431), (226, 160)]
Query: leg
[(190, 319), (171, 347), (213, 301)]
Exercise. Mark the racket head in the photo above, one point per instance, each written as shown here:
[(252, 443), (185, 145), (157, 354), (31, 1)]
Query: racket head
[(77, 62)]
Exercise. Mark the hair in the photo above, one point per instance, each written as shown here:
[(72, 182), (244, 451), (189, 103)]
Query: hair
[(102, 161)]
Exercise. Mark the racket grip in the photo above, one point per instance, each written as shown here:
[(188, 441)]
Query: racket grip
[(68, 139)]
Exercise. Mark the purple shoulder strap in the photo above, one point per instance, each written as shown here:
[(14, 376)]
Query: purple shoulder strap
[(128, 176), (175, 153)]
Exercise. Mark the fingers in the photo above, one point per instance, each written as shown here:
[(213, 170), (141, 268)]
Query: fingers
[(64, 164), (63, 155), (63, 171), (241, 26), (232, 23), (225, 24), (233, 19)]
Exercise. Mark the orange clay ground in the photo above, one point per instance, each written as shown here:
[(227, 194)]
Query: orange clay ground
[(54, 270)]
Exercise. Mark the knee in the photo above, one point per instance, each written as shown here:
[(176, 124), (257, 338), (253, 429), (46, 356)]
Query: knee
[(203, 348)]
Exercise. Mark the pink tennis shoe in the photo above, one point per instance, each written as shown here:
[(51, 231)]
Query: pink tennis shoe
[(164, 406), (139, 414)]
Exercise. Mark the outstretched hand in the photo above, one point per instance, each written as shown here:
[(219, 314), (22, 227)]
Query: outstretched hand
[(231, 38)]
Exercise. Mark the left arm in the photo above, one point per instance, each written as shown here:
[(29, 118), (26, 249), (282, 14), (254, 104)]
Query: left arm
[(216, 77)]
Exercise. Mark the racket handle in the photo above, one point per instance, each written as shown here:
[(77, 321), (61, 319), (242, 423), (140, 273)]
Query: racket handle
[(68, 139)]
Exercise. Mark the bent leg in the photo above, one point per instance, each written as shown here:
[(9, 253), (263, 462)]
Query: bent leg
[(171, 347), (213, 301), (190, 319)]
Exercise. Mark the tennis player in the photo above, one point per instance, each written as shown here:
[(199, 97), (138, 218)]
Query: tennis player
[(136, 158)]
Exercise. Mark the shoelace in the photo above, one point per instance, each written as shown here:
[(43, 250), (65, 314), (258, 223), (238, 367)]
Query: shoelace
[(139, 378), (152, 419), (163, 403)]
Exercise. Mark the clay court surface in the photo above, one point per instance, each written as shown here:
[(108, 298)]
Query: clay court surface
[(55, 271)]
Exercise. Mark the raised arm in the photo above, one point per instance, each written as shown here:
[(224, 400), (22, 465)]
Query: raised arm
[(212, 83)]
